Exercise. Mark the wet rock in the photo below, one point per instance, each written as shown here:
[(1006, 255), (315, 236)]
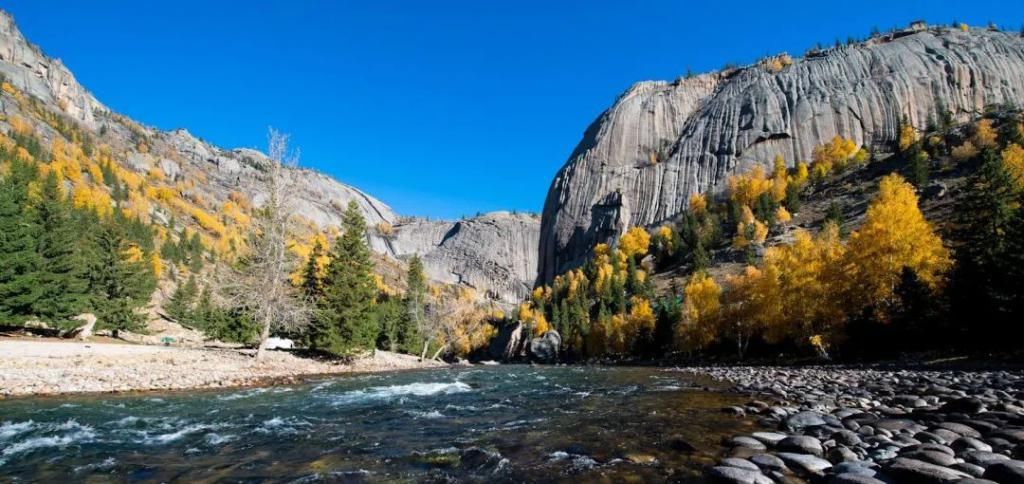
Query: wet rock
[(768, 462), (740, 463), (679, 444), (983, 458), (804, 419), (911, 470), (960, 429), (735, 475), (842, 454), (801, 444), (854, 479), (931, 456), (768, 438), (969, 443), (747, 442), (1008, 471), (544, 349), (969, 468), (809, 464)]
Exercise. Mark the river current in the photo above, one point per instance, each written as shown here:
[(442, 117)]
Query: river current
[(475, 424)]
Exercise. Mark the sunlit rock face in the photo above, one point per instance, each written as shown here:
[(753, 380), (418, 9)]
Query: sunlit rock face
[(660, 142)]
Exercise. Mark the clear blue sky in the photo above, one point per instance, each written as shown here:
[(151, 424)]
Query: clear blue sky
[(437, 108)]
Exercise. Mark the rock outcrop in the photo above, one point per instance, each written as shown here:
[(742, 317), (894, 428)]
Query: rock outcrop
[(660, 142), (496, 254)]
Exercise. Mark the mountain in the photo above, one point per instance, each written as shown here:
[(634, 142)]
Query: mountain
[(46, 95), (660, 142)]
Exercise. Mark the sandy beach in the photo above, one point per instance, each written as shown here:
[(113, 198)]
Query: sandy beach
[(49, 367)]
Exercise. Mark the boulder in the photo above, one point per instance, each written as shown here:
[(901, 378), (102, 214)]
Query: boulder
[(544, 348), (914, 471), (85, 331)]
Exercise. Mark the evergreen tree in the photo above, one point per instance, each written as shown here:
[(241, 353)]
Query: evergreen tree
[(410, 338), (312, 285), (63, 280), (983, 217), (390, 313), (19, 261), (345, 318), (180, 305), (120, 285)]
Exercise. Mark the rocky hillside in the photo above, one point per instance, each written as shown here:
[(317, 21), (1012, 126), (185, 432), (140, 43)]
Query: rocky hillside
[(660, 142), (49, 98)]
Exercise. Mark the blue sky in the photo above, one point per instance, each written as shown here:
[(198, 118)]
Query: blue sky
[(438, 108)]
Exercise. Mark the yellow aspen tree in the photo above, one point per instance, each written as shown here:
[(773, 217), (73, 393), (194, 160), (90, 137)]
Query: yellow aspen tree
[(635, 242), (894, 235), (964, 152), (800, 174), (984, 135), (908, 136), (780, 180), (782, 215), (698, 203), (1013, 160), (744, 189), (702, 305), (156, 264)]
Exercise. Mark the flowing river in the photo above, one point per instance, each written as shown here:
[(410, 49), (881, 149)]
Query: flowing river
[(478, 424)]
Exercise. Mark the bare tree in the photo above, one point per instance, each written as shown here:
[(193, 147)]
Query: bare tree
[(259, 283)]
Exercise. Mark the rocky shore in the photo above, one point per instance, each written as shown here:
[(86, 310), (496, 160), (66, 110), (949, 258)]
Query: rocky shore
[(32, 367), (875, 426)]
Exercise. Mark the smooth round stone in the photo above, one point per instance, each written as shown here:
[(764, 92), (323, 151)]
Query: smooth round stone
[(970, 443), (735, 475), (768, 438), (846, 437), (747, 442), (768, 462), (740, 463), (934, 447), (801, 444), (860, 467), (1008, 471), (974, 470), (912, 470), (983, 458), (931, 457), (854, 479), (804, 462), (960, 429), (842, 454), (804, 419)]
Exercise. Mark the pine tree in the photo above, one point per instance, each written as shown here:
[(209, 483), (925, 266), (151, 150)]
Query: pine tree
[(19, 261), (120, 286), (63, 280), (312, 284), (345, 320), (180, 305), (410, 332)]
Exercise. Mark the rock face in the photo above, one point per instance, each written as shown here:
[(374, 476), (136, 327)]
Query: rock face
[(660, 142), (496, 254)]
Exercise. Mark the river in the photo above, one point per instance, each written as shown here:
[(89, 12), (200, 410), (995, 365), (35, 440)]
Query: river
[(475, 424)]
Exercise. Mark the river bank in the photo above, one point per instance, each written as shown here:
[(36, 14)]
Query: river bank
[(872, 426), (47, 367)]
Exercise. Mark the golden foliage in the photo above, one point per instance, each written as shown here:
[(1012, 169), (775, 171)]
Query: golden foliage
[(895, 235), (984, 135), (156, 265), (698, 203), (133, 254), (701, 307), (744, 189), (1013, 160), (965, 151), (782, 215), (749, 230), (908, 136), (635, 242), (384, 229), (837, 154), (964, 28), (95, 199)]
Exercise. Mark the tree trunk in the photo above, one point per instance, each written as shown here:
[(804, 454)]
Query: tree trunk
[(264, 334), (423, 354), (438, 352)]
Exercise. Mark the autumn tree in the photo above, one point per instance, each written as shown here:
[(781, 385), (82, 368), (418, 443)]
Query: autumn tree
[(635, 242), (701, 311), (894, 235)]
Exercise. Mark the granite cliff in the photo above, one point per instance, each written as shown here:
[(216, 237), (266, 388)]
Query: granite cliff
[(660, 142)]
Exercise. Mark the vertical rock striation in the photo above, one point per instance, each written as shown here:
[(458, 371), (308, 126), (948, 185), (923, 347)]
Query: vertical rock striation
[(639, 162)]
